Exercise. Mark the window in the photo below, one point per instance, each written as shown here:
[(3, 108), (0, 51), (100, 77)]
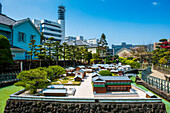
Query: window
[(22, 37), (32, 37)]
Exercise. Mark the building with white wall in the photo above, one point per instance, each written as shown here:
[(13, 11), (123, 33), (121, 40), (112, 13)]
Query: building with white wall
[(80, 38), (93, 41), (70, 38), (55, 29)]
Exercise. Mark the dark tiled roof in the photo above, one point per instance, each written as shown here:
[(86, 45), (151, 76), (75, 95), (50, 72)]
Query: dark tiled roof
[(6, 20), (111, 78), (81, 43), (20, 21)]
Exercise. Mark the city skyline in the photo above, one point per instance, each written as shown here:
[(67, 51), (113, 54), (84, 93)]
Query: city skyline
[(136, 22)]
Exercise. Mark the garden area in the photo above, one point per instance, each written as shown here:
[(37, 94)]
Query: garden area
[(67, 80)]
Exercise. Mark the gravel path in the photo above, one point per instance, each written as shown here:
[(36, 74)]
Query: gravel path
[(85, 89)]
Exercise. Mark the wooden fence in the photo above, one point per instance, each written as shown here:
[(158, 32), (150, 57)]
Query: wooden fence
[(158, 83)]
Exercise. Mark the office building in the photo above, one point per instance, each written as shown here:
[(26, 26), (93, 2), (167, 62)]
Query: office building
[(55, 29)]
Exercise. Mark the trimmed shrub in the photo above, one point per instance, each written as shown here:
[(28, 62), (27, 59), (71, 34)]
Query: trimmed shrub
[(105, 73), (57, 70), (50, 72), (32, 80), (5, 53)]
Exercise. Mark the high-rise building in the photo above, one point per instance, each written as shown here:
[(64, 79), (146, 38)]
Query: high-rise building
[(52, 28), (61, 20), (0, 8)]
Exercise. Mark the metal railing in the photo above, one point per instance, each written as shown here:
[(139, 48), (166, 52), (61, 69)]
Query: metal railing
[(158, 83), (7, 77)]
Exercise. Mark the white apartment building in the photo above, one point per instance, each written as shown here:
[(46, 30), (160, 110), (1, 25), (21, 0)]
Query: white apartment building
[(52, 28)]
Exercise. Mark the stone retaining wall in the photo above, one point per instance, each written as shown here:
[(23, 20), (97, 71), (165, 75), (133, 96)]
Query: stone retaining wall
[(24, 106), (155, 90)]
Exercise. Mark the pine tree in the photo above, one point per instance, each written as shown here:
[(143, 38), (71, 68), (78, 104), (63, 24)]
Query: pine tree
[(102, 46)]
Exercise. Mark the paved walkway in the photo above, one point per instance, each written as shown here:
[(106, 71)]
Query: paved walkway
[(85, 89), (157, 74)]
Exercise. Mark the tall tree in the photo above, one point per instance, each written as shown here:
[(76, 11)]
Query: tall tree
[(40, 53), (32, 51), (102, 45), (50, 45), (57, 50), (5, 53), (64, 50)]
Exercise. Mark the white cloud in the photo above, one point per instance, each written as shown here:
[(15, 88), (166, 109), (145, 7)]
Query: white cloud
[(155, 3)]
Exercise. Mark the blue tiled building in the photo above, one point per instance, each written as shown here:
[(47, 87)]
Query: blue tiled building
[(19, 34)]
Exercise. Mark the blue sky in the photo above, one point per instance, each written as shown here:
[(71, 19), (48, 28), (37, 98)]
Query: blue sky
[(131, 21)]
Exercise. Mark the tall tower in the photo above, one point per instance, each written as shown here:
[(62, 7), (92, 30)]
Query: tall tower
[(0, 8), (61, 19)]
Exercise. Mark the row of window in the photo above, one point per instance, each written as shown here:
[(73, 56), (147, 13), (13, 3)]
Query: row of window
[(22, 37), (99, 84), (52, 34), (45, 28), (116, 88), (120, 82)]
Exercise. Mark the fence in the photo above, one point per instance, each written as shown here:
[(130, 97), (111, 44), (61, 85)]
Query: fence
[(156, 82), (162, 69), (36, 63), (8, 77)]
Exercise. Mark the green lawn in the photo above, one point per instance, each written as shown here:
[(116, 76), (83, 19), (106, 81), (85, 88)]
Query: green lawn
[(4, 95), (163, 100)]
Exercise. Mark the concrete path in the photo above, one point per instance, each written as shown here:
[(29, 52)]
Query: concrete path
[(85, 89), (157, 74)]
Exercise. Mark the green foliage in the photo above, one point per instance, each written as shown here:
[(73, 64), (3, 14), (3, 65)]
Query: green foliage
[(102, 45), (105, 73), (163, 40), (50, 72), (163, 60), (130, 58), (32, 79), (133, 63), (5, 52), (88, 56), (95, 56), (116, 56), (133, 79), (57, 70), (160, 53)]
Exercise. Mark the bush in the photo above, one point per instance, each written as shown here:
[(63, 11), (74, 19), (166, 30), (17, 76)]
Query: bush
[(32, 79), (95, 56), (50, 72), (105, 73), (57, 70), (5, 53)]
